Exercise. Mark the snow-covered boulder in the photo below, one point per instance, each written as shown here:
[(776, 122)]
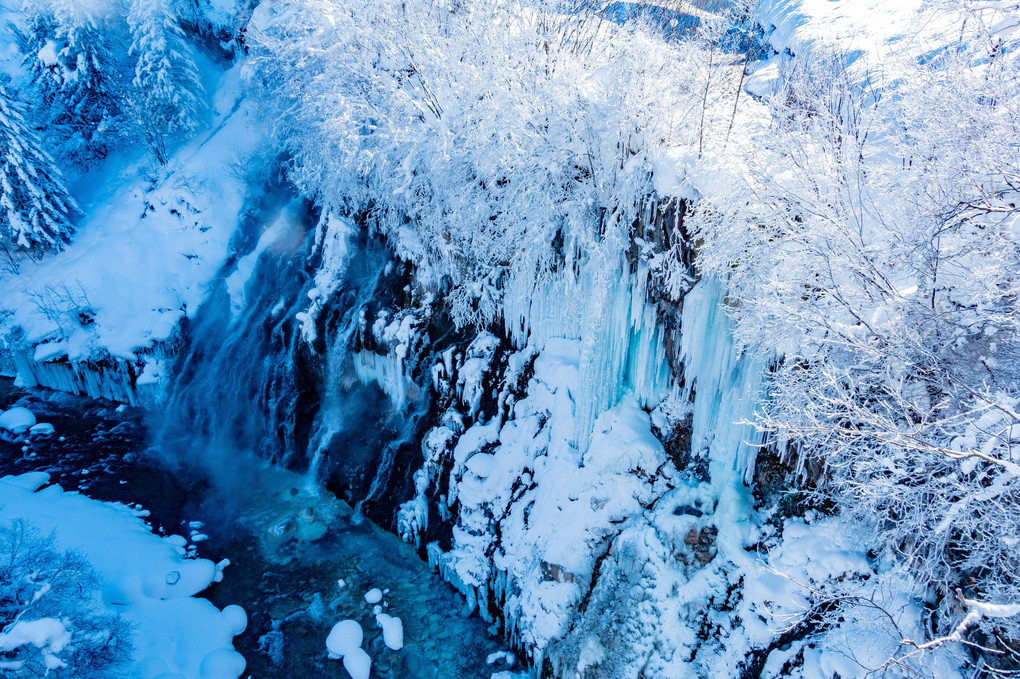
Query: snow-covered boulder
[(358, 664), (345, 636), (41, 429), (17, 420), (392, 629)]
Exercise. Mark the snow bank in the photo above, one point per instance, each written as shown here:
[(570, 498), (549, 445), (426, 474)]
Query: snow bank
[(867, 29), (144, 578)]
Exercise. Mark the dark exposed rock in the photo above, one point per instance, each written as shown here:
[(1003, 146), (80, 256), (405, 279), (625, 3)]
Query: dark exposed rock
[(551, 571)]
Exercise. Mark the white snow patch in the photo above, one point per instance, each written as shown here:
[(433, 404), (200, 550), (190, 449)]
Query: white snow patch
[(47, 634), (143, 577)]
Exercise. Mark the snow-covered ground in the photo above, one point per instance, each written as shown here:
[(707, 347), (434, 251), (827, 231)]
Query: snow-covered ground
[(144, 578), (144, 254)]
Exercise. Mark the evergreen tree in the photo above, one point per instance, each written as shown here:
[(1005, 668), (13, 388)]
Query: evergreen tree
[(35, 208), (167, 88), (86, 109), (39, 46)]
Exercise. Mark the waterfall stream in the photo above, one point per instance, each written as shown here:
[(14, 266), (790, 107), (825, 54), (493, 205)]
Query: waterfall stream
[(249, 379), (296, 447)]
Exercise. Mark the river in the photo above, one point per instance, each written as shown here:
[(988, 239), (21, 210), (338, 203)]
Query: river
[(293, 590)]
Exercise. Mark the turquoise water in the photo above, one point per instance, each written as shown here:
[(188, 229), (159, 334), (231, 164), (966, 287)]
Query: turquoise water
[(295, 590)]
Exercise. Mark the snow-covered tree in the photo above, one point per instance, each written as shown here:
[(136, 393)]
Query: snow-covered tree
[(40, 49), (494, 143), (52, 618), (167, 89), (85, 109), (35, 208), (869, 239)]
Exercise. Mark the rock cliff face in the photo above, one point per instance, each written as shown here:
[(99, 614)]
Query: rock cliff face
[(610, 552), (586, 476)]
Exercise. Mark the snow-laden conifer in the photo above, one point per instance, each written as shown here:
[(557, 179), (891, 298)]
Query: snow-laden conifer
[(166, 84), (35, 208), (87, 108), (38, 44)]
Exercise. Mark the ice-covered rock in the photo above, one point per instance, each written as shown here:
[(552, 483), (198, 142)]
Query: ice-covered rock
[(480, 465), (309, 526), (17, 420), (281, 530)]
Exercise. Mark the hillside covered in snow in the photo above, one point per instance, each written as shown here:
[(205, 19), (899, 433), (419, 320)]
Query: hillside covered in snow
[(681, 338)]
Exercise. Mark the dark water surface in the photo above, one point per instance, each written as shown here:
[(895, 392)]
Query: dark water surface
[(288, 587)]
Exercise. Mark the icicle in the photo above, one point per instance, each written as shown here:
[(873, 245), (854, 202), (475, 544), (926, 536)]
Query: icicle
[(726, 388), (111, 382), (387, 371), (622, 342)]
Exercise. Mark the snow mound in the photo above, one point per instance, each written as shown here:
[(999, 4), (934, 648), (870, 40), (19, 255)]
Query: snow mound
[(17, 420), (392, 629), (41, 429), (235, 619), (345, 637), (144, 578), (358, 664)]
